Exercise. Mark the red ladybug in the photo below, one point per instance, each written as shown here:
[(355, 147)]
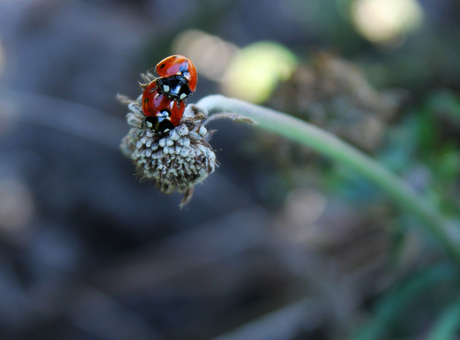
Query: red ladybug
[(178, 77), (162, 114)]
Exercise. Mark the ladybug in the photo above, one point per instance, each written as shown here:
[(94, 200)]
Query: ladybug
[(178, 77), (162, 114)]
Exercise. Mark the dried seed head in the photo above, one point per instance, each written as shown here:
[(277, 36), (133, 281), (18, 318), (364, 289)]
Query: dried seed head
[(175, 160)]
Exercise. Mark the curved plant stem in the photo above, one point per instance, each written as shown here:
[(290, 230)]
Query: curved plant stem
[(329, 145)]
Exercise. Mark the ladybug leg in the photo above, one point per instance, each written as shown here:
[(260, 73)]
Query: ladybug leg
[(155, 81), (153, 88)]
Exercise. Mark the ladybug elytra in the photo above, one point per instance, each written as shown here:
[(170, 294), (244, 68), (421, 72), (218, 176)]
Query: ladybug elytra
[(178, 77), (162, 114)]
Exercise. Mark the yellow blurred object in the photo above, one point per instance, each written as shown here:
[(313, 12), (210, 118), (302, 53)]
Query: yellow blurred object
[(382, 21), (256, 71), (210, 54)]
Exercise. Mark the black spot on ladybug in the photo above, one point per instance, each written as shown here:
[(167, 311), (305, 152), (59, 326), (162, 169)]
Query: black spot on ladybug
[(162, 65), (175, 57)]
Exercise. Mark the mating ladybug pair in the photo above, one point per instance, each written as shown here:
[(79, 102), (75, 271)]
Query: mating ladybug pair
[(164, 99)]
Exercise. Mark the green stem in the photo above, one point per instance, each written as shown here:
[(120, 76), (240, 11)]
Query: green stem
[(329, 145)]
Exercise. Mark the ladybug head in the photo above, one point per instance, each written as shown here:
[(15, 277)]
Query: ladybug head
[(174, 87), (159, 123)]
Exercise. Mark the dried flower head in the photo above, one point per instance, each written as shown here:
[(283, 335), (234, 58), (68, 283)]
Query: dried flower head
[(334, 94), (175, 160)]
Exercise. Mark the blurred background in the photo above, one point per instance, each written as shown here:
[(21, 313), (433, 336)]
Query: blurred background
[(278, 243)]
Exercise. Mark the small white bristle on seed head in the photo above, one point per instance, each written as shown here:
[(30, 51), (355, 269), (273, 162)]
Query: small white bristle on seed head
[(212, 157), (174, 135), (195, 135), (132, 134), (182, 130), (139, 115), (184, 152), (134, 121), (184, 141), (202, 131), (133, 107)]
